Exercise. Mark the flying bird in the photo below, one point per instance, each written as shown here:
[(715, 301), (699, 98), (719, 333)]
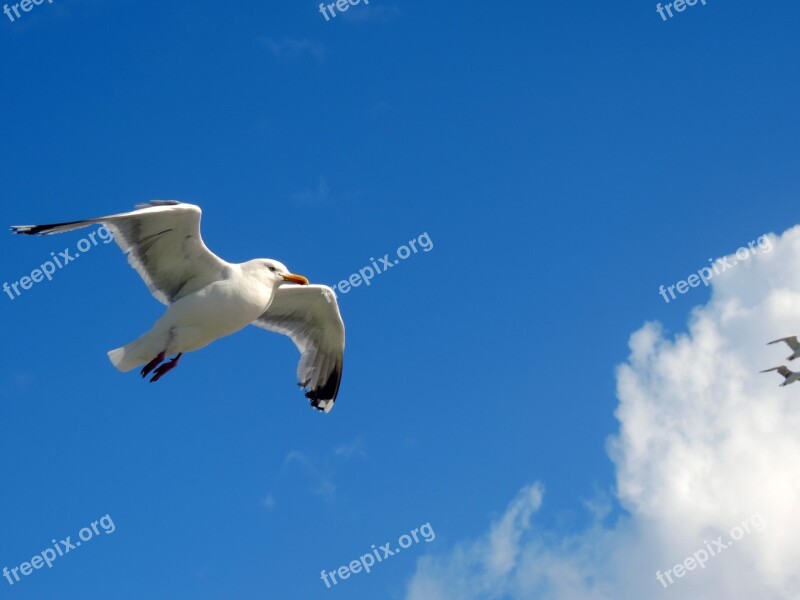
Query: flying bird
[(792, 342), (789, 376), (209, 298)]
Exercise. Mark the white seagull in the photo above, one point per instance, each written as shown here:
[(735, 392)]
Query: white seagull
[(792, 342), (789, 376), (209, 298)]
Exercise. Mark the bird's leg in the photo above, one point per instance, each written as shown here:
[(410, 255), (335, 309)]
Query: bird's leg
[(166, 367), (153, 364)]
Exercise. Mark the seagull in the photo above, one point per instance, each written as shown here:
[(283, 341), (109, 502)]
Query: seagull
[(209, 298), (789, 376), (792, 342)]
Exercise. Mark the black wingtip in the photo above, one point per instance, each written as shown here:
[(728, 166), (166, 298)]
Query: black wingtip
[(323, 397), (41, 229), (320, 405)]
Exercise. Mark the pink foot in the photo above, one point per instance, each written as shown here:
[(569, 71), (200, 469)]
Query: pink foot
[(153, 364), (166, 368)]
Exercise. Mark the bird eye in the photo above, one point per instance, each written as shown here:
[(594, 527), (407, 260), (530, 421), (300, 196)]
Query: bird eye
[(272, 269)]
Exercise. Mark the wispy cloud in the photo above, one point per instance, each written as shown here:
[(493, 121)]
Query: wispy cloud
[(480, 568), (320, 476), (380, 108), (319, 472), (354, 449), (704, 442), (320, 194), (292, 48)]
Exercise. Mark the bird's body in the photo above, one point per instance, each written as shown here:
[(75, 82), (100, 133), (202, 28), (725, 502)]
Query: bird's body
[(194, 321), (788, 376), (792, 342), (209, 298)]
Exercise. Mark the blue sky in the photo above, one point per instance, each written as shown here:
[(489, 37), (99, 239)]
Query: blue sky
[(565, 159)]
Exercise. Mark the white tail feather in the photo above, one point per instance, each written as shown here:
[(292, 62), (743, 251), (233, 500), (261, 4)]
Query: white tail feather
[(121, 359)]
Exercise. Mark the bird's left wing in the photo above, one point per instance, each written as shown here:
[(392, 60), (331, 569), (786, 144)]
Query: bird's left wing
[(783, 370), (310, 316), (163, 243)]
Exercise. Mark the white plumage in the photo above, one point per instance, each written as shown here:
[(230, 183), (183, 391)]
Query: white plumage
[(788, 376), (209, 298)]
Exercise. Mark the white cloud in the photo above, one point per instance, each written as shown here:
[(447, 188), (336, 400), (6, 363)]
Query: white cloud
[(705, 442)]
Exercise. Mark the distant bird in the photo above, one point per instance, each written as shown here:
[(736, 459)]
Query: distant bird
[(792, 342), (209, 298), (789, 376)]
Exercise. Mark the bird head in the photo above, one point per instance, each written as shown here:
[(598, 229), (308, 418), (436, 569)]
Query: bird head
[(278, 272)]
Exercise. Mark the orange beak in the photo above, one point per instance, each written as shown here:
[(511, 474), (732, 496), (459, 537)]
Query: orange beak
[(291, 277)]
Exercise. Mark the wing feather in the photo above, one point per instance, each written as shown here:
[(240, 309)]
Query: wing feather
[(163, 243), (310, 316)]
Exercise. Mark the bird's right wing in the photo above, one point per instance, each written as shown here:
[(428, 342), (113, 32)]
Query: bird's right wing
[(310, 316), (163, 243), (791, 341)]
